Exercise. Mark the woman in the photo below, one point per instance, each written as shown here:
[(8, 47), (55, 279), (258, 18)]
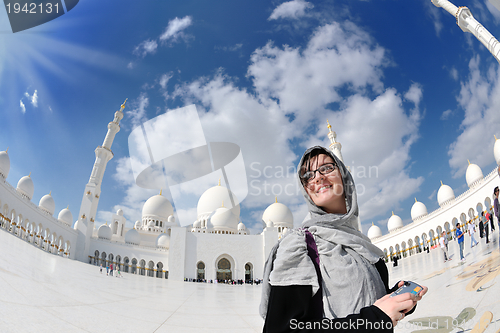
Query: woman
[(328, 269)]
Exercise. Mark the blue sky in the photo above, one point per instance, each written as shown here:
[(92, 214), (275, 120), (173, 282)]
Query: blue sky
[(410, 96)]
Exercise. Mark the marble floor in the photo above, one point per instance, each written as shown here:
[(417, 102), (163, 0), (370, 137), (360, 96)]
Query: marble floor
[(40, 292)]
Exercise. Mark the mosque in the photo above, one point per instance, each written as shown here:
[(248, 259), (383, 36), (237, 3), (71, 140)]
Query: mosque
[(217, 245)]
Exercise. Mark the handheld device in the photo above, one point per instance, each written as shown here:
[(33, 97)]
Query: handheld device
[(408, 287)]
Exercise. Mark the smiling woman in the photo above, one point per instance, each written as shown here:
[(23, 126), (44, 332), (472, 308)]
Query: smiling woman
[(328, 270)]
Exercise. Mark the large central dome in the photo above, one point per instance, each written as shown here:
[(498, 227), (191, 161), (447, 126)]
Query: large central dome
[(213, 199), (159, 206)]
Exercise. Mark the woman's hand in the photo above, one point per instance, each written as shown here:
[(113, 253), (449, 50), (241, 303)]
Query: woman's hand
[(396, 307)]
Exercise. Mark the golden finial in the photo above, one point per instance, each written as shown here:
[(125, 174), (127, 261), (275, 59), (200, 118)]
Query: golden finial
[(7, 150), (416, 200), (222, 203), (372, 223), (29, 175), (67, 207), (468, 161), (392, 213), (329, 126), (493, 135), (441, 182), (276, 199), (123, 105), (219, 181), (50, 193), (160, 190)]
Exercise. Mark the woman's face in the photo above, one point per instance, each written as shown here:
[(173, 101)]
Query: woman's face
[(326, 191)]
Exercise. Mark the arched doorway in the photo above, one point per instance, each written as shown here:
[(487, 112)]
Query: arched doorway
[(224, 270), (248, 271), (200, 273)]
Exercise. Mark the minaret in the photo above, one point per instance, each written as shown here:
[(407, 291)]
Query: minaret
[(468, 23), (88, 208), (335, 146)]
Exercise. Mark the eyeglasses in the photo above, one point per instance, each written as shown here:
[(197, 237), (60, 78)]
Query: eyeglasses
[(325, 169)]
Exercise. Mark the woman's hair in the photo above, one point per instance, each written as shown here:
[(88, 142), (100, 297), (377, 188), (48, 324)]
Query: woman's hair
[(495, 190)]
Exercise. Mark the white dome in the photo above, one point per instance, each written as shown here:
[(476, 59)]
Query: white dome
[(375, 232), (418, 210), (171, 219), (4, 163), (137, 224), (65, 216), (394, 222), (159, 206), (279, 214), (48, 204), (445, 194), (132, 237), (151, 224), (496, 152), (119, 212), (104, 232), (224, 219), (197, 224), (473, 174), (25, 186), (214, 197), (241, 227), (163, 241), (77, 224)]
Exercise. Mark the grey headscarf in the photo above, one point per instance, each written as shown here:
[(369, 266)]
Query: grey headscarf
[(347, 257)]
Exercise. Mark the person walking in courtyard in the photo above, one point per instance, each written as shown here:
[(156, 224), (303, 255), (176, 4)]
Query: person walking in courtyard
[(489, 216), (496, 205), (485, 226), (472, 231), (111, 269), (107, 269), (443, 247), (460, 239), (100, 269)]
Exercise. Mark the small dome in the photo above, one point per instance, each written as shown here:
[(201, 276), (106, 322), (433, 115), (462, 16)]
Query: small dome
[(4, 163), (473, 174), (418, 210), (171, 219), (394, 222), (224, 219), (211, 199), (375, 232), (48, 204), (77, 224), (241, 227), (132, 237), (119, 212), (137, 225), (197, 224), (163, 241), (25, 186), (496, 151), (104, 232), (279, 214), (151, 224), (445, 195), (159, 206), (65, 216)]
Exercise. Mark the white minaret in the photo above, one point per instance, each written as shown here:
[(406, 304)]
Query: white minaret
[(335, 146), (92, 191), (468, 23)]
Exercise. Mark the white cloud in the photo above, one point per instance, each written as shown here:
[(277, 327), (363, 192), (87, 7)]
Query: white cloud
[(164, 80), (480, 99), (233, 48), (174, 30), (147, 46), (291, 9), (23, 107), (138, 113), (34, 99), (434, 13), (446, 114), (454, 73), (292, 89)]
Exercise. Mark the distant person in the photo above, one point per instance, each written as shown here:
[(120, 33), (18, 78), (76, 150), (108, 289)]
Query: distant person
[(496, 205), (485, 226), (443, 247), (472, 231), (460, 239), (489, 216), (446, 240), (481, 228), (111, 269), (118, 273), (100, 269), (107, 269)]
